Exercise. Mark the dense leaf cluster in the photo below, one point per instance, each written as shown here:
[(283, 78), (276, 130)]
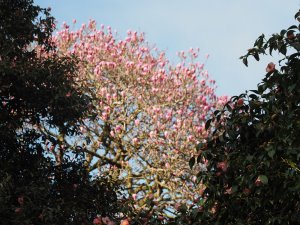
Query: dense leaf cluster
[(34, 189), (250, 166), (252, 175), (32, 87)]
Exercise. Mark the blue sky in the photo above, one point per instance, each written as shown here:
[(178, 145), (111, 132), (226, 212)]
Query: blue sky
[(223, 29)]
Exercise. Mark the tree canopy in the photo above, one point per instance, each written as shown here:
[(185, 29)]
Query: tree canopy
[(35, 90), (252, 170), (148, 114), (96, 130)]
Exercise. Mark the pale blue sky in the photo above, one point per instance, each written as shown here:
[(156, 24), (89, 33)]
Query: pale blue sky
[(224, 29)]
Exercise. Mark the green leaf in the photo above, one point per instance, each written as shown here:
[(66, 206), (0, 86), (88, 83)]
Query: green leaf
[(292, 87), (207, 124), (200, 146), (256, 56), (271, 49), (259, 42), (264, 179), (218, 117), (245, 61), (261, 88), (283, 49), (292, 27), (253, 96), (282, 32), (229, 108), (297, 14), (216, 112), (271, 153), (234, 188), (192, 162), (254, 91)]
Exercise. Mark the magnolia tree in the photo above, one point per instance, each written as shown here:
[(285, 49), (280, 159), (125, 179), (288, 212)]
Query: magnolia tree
[(146, 115)]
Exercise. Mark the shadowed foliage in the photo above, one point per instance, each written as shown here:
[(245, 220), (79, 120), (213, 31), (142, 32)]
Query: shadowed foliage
[(252, 175), (34, 188)]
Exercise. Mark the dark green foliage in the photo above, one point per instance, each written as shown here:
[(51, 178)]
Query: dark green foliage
[(21, 24), (33, 190), (32, 87), (34, 90), (253, 174)]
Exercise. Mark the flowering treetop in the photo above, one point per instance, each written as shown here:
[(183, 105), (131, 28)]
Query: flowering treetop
[(147, 114)]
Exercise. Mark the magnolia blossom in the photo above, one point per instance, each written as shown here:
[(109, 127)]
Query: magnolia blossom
[(124, 222), (97, 220), (148, 115), (258, 182), (270, 68), (222, 166)]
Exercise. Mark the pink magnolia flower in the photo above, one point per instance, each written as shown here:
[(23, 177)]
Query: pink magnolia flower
[(291, 36), (134, 196), (177, 206), (270, 67), (18, 210), (41, 217), (112, 133), (124, 222), (135, 141), (75, 186), (240, 102), (118, 128), (21, 200), (166, 134), (106, 220), (136, 122), (222, 166), (228, 191), (258, 182), (162, 107), (246, 191), (97, 220), (190, 138)]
